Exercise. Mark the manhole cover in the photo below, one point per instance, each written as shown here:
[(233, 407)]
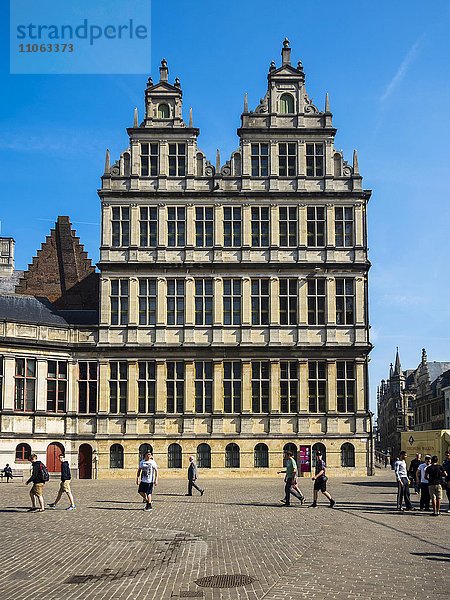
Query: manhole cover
[(224, 581)]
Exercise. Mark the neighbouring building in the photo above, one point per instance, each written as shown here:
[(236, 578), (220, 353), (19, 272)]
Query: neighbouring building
[(231, 316), (431, 408), (9, 276)]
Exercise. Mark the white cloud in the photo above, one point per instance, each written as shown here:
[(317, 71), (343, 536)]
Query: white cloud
[(403, 68)]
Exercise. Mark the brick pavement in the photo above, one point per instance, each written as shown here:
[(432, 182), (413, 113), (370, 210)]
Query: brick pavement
[(110, 549)]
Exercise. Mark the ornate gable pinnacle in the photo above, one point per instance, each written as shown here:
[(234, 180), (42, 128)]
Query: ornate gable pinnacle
[(286, 52), (163, 71), (136, 118), (107, 162), (191, 119), (355, 163), (245, 102), (327, 103)]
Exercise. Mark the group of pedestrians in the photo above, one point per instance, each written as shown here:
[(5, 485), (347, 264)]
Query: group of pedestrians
[(428, 477), (40, 476)]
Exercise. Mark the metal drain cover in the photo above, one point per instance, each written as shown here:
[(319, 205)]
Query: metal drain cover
[(224, 581)]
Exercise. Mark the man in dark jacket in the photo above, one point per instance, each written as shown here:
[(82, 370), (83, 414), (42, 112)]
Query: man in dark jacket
[(7, 472), (192, 477), (37, 491), (64, 488)]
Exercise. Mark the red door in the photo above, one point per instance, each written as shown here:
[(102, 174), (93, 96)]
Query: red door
[(54, 450), (85, 462)]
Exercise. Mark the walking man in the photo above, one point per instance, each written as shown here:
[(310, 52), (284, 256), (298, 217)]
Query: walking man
[(320, 482), (148, 472), (401, 475), (446, 467), (422, 481), (291, 485), (39, 476), (192, 477), (7, 472), (434, 473), (64, 488)]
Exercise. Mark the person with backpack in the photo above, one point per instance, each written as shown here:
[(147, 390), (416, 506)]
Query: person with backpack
[(39, 476), (64, 488)]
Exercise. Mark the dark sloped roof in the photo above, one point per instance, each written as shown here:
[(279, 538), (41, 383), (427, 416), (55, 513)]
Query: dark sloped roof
[(28, 309), (437, 368)]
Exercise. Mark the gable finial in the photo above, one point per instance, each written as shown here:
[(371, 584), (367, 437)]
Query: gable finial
[(217, 160), (107, 162), (191, 120), (163, 71), (355, 163), (136, 118), (246, 102), (286, 53), (327, 103)]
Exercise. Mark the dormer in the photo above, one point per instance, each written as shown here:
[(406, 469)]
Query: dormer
[(163, 101)]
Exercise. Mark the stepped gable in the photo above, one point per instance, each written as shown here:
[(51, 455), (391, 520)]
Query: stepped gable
[(62, 272)]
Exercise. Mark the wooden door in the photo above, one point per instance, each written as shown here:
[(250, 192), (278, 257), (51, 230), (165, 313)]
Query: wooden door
[(54, 450), (85, 462)]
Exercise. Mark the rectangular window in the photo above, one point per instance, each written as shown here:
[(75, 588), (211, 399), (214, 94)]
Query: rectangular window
[(345, 301), (288, 226), (316, 301), (232, 386), (148, 226), (203, 301), (287, 159), (260, 226), (87, 387), (288, 301), (25, 384), (147, 386), (204, 226), (120, 225), (203, 386), (232, 301), (289, 386), (260, 160), (260, 301), (317, 383), (345, 384), (118, 381), (343, 226), (176, 226), (232, 226), (177, 160), (314, 160), (175, 387), (175, 302), (149, 160), (119, 301), (260, 386), (56, 385), (315, 226), (148, 305)]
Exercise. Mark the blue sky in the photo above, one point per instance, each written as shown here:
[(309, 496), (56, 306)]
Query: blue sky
[(386, 68)]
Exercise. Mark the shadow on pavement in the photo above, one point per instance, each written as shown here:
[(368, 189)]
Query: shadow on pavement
[(439, 556), (392, 484)]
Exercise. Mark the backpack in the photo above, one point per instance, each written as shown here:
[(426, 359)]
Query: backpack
[(43, 473)]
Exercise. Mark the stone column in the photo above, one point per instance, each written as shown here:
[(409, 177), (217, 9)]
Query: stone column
[(303, 301), (331, 387), (161, 392), (105, 316), (274, 301), (218, 387), (360, 402), (9, 382), (329, 211), (72, 386), (359, 301), (106, 225), (218, 225), (161, 301), (41, 385), (190, 226), (134, 225), (275, 399), (331, 301), (246, 226), (302, 225), (189, 301), (162, 225), (246, 301), (103, 387), (189, 387), (218, 301), (359, 224), (303, 385), (132, 387), (133, 305), (246, 386)]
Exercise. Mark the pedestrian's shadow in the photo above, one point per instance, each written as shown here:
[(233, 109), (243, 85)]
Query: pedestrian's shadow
[(439, 556), (115, 508), (13, 509), (118, 501)]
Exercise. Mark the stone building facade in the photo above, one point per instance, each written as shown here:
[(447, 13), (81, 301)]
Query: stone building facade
[(233, 318)]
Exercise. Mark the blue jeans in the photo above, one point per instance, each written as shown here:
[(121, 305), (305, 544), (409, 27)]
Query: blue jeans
[(403, 494)]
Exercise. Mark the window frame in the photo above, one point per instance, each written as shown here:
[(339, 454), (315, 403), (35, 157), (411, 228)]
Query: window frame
[(287, 159), (147, 382), (149, 159), (177, 157), (317, 386), (176, 301), (260, 301), (90, 386), (118, 387), (176, 226), (345, 301), (148, 300), (288, 301), (204, 386), (345, 386), (260, 382), (204, 226), (232, 301), (289, 386), (120, 226), (25, 385), (232, 387), (232, 226), (175, 387), (288, 226), (148, 226), (60, 382), (315, 161), (344, 226), (259, 158), (260, 226), (204, 301)]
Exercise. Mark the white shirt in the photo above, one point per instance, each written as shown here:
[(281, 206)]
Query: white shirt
[(148, 470), (422, 467), (400, 469)]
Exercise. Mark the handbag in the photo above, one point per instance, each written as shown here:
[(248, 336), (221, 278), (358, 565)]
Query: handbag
[(324, 479)]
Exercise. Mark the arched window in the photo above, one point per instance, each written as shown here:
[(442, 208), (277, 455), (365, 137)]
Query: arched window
[(237, 164), (290, 448), (174, 456), (199, 164), (143, 449), (163, 111), (232, 458), (116, 457), (23, 453), (286, 104), (347, 455), (261, 456), (204, 456), (321, 448), (127, 164)]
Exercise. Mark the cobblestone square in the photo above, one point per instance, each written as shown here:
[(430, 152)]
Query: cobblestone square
[(110, 548)]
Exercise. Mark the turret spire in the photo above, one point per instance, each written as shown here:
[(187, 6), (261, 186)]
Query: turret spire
[(355, 163), (245, 102), (327, 103), (398, 367), (136, 118), (217, 160), (286, 52), (163, 71), (191, 119)]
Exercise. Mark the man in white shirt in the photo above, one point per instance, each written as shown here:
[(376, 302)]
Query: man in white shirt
[(422, 483), (401, 474), (148, 471)]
